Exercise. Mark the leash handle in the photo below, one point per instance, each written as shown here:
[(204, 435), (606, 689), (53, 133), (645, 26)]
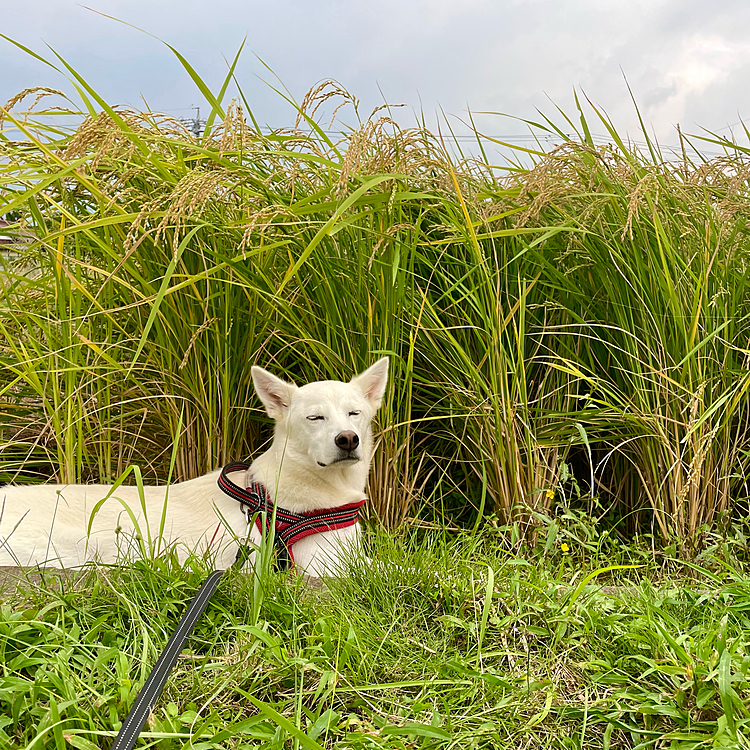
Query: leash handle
[(153, 686)]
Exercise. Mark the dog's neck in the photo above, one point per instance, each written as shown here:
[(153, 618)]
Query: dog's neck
[(300, 487)]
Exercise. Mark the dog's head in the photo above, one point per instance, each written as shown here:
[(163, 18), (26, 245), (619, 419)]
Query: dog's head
[(324, 425)]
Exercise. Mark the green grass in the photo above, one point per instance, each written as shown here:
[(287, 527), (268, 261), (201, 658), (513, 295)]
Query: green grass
[(449, 641)]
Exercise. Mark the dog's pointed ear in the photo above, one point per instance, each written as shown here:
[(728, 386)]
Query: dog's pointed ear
[(372, 382), (275, 393)]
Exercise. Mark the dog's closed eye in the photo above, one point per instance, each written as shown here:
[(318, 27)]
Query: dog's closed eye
[(354, 413), (316, 417)]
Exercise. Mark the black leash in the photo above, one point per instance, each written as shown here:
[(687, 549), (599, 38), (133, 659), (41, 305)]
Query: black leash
[(146, 700), (151, 691), (292, 528)]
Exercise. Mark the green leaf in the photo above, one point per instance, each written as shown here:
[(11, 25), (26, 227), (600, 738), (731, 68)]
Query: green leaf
[(726, 692), (161, 294), (420, 730), (283, 722)]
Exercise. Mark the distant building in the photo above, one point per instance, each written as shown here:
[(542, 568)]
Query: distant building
[(5, 239)]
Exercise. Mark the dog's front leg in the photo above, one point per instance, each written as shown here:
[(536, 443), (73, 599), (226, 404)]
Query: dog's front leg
[(327, 553)]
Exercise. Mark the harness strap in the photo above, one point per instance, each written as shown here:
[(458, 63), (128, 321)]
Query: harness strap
[(290, 527)]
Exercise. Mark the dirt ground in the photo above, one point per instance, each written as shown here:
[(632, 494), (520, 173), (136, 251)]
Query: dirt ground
[(11, 578)]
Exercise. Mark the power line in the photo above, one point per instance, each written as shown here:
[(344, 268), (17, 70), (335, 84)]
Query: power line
[(196, 125)]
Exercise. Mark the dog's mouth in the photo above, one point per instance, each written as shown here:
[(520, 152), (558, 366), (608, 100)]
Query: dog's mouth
[(341, 460)]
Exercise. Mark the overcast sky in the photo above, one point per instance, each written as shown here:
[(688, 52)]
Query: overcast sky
[(687, 61)]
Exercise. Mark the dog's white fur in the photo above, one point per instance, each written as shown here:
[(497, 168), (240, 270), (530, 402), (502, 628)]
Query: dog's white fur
[(304, 470)]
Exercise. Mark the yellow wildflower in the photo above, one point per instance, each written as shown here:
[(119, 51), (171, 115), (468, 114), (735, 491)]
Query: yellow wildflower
[(564, 547)]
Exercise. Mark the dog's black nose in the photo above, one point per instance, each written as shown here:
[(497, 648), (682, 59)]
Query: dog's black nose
[(347, 440)]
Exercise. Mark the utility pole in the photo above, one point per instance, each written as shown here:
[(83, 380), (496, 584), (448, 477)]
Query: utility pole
[(194, 124), (196, 121)]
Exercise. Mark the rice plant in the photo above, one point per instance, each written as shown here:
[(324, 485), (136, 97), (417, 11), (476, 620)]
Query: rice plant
[(585, 307), (655, 281)]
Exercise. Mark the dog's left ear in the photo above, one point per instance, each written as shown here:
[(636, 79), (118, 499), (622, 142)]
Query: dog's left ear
[(372, 382)]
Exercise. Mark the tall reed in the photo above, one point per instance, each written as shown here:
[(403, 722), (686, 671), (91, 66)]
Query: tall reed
[(590, 296)]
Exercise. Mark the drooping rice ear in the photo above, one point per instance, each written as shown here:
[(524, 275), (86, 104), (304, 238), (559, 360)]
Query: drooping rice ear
[(275, 393), (372, 382)]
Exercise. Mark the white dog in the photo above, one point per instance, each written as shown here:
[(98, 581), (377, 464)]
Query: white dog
[(315, 471)]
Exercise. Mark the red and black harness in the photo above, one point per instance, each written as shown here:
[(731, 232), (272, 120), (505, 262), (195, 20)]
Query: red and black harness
[(289, 527)]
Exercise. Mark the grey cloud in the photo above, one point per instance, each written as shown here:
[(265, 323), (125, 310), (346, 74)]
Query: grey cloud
[(511, 56)]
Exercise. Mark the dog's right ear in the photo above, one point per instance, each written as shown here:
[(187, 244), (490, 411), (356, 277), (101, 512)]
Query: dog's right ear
[(275, 393)]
